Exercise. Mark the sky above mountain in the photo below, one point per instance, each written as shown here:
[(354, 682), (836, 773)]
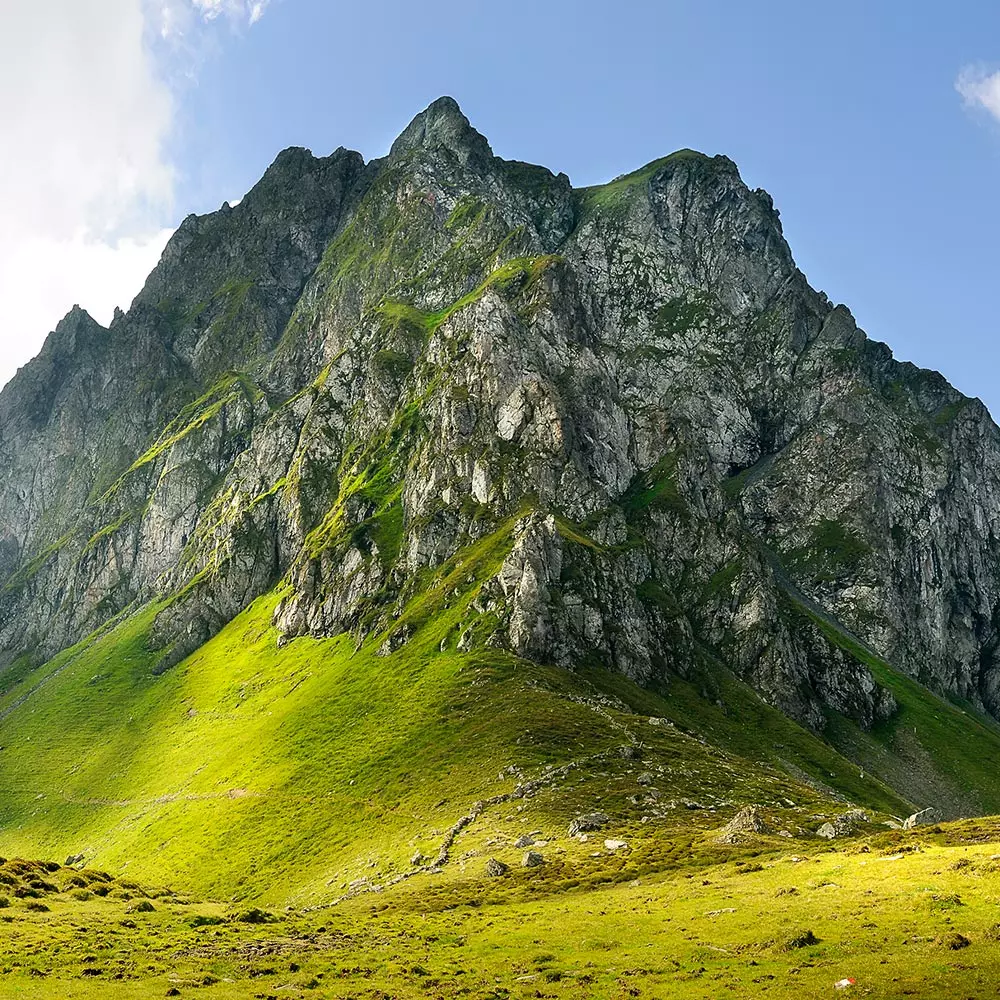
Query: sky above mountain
[(876, 127)]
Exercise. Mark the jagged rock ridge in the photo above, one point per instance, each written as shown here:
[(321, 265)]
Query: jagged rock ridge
[(621, 412)]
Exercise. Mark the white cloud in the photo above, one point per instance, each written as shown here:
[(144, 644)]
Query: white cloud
[(980, 88), (96, 274), (176, 16), (251, 10), (86, 176)]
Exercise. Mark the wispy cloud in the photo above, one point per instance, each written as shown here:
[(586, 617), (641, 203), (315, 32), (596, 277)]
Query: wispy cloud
[(980, 88), (178, 17), (251, 10)]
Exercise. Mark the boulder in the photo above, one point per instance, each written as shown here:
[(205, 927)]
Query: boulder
[(921, 818), (496, 869), (532, 860), (588, 823), (746, 824), (844, 825)]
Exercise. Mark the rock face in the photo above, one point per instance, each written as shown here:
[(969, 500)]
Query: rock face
[(613, 425)]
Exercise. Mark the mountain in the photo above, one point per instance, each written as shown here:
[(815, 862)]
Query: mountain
[(401, 475)]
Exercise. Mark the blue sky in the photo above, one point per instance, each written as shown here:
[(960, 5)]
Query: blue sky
[(886, 176)]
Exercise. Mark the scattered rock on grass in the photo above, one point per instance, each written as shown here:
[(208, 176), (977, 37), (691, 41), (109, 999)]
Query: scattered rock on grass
[(588, 822), (843, 826), (496, 869), (526, 841), (532, 860)]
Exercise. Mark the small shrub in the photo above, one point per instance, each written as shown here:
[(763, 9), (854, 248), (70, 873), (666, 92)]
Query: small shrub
[(804, 939), (954, 941)]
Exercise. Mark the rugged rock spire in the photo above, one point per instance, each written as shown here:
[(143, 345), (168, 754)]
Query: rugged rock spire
[(443, 126)]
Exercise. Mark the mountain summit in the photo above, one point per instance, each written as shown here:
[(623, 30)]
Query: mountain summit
[(445, 405)]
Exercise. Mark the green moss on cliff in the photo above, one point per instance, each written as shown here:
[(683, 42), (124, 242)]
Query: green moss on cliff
[(656, 488)]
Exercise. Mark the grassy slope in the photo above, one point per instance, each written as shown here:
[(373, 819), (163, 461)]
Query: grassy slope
[(251, 770), (887, 911), (934, 752)]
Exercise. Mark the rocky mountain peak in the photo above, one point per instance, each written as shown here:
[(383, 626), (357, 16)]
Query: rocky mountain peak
[(76, 330), (443, 126)]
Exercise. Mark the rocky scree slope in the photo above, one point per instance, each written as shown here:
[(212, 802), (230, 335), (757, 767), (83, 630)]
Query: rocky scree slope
[(677, 455)]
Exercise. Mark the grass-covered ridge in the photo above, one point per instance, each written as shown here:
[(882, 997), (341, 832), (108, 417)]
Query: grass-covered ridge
[(613, 195)]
